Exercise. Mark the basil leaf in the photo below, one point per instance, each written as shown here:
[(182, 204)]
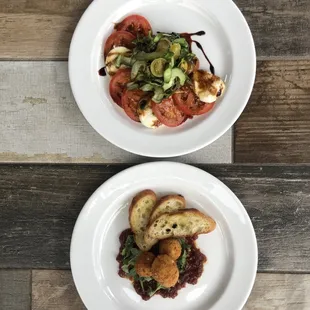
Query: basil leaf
[(181, 262)]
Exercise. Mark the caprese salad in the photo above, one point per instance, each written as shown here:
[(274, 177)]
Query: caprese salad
[(155, 77)]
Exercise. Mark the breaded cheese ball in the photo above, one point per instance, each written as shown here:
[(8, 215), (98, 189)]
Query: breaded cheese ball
[(143, 264), (171, 247), (165, 271)]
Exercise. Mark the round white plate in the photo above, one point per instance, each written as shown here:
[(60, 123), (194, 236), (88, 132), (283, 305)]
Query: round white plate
[(231, 249), (228, 43)]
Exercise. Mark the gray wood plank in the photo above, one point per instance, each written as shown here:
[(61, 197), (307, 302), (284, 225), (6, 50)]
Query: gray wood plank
[(40, 122), (280, 292), (34, 29), (279, 27), (15, 289), (275, 125), (54, 289), (39, 205), (31, 30)]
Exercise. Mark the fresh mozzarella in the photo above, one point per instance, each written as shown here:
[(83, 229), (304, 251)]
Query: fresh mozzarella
[(147, 117), (208, 87), (112, 56)]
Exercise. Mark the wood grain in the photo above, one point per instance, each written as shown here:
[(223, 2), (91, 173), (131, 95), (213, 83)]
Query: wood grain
[(278, 27), (275, 126), (39, 206), (15, 289), (280, 292), (54, 289), (40, 122), (36, 29)]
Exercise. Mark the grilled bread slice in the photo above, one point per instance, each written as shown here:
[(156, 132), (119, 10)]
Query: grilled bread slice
[(168, 204), (139, 215), (183, 223), (142, 244), (140, 210)]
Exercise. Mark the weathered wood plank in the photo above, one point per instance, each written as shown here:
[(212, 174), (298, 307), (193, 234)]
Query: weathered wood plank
[(54, 289), (275, 126), (42, 29), (278, 26), (15, 289), (34, 29), (40, 122), (39, 206), (280, 292)]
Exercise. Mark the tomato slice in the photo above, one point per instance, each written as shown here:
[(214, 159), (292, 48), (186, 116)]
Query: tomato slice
[(118, 38), (135, 24), (168, 113), (130, 102), (118, 84), (189, 103)]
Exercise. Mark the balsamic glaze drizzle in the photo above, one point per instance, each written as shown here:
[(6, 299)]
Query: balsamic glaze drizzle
[(188, 37), (201, 48), (198, 33), (102, 72)]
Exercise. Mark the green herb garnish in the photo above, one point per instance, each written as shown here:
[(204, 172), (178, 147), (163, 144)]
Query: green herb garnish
[(159, 64), (153, 292), (130, 255), (181, 262)]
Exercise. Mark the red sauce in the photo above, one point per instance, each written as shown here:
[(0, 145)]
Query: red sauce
[(191, 274)]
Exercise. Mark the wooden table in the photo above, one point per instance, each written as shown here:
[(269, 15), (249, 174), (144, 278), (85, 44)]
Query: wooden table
[(52, 160)]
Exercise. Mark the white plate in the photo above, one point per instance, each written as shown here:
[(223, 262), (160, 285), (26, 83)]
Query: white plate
[(231, 249), (228, 44)]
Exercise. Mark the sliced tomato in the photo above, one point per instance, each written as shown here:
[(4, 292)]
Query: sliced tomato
[(130, 102), (189, 103), (118, 38), (135, 24), (118, 85), (168, 113)]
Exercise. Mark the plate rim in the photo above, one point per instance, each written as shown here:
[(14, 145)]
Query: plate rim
[(179, 150), (87, 206)]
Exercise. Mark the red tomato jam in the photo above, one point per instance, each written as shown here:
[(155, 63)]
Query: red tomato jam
[(192, 272)]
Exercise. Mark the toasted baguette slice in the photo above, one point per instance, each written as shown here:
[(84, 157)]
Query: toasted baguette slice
[(168, 204), (140, 211), (142, 244), (184, 223)]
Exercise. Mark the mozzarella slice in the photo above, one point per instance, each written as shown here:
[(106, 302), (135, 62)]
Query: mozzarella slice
[(147, 117), (112, 56), (208, 87)]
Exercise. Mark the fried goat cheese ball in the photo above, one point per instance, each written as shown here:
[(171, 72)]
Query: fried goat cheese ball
[(171, 247), (165, 271), (144, 263)]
